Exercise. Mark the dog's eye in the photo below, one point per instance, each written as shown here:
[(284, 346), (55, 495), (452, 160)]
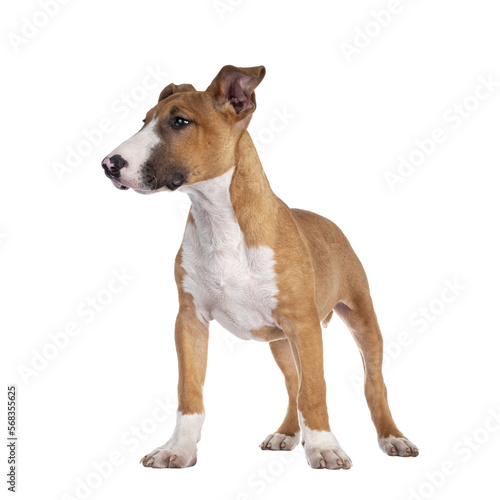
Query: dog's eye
[(179, 122)]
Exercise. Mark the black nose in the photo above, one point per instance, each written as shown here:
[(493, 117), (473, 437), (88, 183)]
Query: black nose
[(117, 161), (113, 165)]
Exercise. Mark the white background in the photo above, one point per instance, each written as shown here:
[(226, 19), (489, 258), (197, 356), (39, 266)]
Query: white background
[(61, 238)]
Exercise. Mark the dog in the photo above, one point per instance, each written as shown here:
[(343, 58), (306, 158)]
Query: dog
[(262, 270)]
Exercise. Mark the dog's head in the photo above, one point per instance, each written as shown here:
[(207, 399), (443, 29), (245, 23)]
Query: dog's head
[(188, 136)]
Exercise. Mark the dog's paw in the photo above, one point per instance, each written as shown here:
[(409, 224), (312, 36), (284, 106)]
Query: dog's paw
[(167, 457), (281, 442), (328, 458), (323, 451), (397, 447)]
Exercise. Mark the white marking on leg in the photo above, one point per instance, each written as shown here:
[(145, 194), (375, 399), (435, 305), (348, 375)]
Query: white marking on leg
[(322, 449), (187, 430), (180, 450)]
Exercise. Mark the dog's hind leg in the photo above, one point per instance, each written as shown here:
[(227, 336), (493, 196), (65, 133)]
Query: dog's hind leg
[(361, 320), (288, 434)]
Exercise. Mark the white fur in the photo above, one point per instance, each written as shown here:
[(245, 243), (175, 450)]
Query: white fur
[(187, 432), (322, 446), (317, 439), (182, 444), (229, 282), (395, 446), (135, 151), (278, 441)]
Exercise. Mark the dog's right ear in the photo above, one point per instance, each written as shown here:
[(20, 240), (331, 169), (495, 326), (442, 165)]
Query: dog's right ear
[(174, 89), (236, 86)]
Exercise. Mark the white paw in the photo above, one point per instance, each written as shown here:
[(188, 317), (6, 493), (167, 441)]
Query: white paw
[(278, 441), (167, 457), (397, 447), (323, 451), (180, 450)]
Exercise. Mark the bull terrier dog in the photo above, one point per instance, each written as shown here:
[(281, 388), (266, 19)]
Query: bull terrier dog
[(264, 271)]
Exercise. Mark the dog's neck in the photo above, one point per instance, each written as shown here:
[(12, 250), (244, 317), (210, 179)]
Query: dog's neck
[(238, 202), (213, 213)]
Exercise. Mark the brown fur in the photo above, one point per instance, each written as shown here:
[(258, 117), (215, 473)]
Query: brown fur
[(317, 270)]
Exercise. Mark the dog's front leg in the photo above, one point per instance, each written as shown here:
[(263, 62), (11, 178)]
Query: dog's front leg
[(321, 447), (191, 340)]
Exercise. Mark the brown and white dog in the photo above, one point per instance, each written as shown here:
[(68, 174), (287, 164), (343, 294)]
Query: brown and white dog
[(262, 270)]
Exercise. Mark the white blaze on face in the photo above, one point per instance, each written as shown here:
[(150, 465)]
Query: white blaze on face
[(136, 151)]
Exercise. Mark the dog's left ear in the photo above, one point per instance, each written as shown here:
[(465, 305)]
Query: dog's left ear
[(236, 86), (174, 89)]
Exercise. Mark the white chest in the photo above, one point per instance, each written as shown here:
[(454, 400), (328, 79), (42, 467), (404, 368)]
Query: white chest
[(229, 282)]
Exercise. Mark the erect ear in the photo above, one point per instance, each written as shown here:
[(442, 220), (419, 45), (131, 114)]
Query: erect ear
[(173, 89), (236, 86)]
